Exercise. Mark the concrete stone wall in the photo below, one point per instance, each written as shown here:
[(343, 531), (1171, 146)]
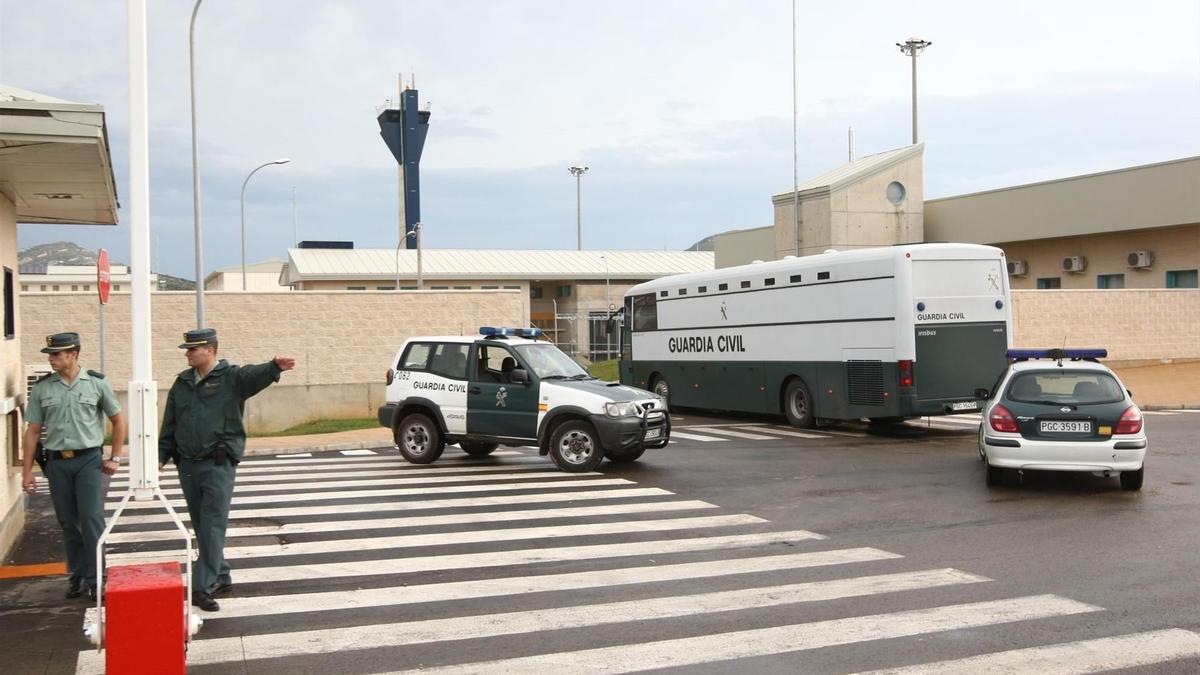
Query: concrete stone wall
[(337, 337), (1136, 326)]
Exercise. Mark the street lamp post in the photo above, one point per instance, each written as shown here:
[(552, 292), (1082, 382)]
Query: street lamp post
[(196, 172), (260, 166), (578, 172), (416, 233), (912, 47), (608, 309)]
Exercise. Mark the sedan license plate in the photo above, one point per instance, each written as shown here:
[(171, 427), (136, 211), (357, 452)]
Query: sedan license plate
[(965, 405), (1065, 427), (653, 433)]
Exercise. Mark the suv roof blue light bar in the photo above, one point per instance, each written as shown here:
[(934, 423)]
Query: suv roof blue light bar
[(494, 331), (1021, 354)]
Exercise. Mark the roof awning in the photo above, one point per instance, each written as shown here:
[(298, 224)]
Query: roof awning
[(54, 160)]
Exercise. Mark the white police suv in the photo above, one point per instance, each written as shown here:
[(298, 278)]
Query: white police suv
[(507, 388)]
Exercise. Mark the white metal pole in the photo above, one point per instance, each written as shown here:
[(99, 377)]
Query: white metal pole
[(914, 94), (578, 214), (196, 224), (420, 277), (795, 141), (143, 392), (243, 203)]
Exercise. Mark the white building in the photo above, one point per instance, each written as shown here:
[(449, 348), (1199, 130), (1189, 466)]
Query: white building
[(73, 278), (261, 277)]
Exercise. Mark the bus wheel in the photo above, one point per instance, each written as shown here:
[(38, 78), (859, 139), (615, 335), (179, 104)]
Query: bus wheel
[(662, 388), (798, 404)]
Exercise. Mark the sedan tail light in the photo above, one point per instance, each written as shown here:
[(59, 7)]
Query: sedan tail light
[(906, 373), (1002, 420), (390, 375), (1130, 422)]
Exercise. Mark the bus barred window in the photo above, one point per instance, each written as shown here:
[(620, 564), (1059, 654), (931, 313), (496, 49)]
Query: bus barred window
[(822, 275), (723, 287), (745, 284), (645, 312), (683, 291), (795, 278), (769, 281), (702, 289)]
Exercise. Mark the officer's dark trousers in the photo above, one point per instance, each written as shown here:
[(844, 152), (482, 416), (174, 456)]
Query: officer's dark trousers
[(208, 489), (76, 488)]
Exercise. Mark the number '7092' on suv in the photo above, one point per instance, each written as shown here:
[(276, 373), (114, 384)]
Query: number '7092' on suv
[(507, 388)]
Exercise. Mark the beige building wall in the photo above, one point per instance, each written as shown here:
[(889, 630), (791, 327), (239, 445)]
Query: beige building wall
[(259, 282), (12, 501), (1135, 326), (1174, 248), (741, 247)]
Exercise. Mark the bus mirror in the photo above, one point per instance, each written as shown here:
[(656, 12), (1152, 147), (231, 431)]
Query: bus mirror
[(981, 393), (519, 376)]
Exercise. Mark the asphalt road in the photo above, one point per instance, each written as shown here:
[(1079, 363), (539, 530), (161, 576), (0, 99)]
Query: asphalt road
[(738, 548)]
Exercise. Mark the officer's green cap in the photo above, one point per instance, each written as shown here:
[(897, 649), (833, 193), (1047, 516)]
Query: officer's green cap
[(61, 342), (199, 338)]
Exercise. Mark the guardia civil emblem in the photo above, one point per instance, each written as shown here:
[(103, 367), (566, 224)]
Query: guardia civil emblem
[(502, 398)]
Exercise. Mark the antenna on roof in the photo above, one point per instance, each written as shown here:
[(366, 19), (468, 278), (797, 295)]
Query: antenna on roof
[(851, 140)]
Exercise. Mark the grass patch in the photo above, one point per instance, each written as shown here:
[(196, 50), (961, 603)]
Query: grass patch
[(324, 427), (606, 370)]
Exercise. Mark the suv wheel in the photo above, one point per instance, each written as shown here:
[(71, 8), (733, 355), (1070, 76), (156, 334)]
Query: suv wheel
[(419, 439), (478, 448), (575, 447)]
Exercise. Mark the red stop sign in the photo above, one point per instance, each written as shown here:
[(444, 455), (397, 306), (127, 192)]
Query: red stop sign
[(103, 276)]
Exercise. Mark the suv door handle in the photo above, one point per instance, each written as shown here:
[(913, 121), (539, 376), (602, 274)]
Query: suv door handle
[(474, 390)]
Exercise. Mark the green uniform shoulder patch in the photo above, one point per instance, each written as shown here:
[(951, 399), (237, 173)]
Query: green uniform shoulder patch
[(96, 373), (44, 377)]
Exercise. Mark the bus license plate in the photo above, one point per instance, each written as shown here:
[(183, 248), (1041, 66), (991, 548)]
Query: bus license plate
[(965, 405), (653, 433), (1066, 427)]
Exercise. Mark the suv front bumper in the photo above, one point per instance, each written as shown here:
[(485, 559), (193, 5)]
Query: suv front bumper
[(629, 433)]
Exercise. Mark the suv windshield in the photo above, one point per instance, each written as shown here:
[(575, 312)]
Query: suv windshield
[(546, 360), (1071, 387)]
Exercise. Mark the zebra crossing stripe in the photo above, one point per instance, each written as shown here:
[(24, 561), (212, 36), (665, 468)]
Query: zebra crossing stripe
[(1071, 658), (173, 481), (346, 461), (948, 419), (399, 507), (301, 603), (472, 537), (782, 432), (694, 437), (318, 485), (297, 455), (425, 521), (325, 641), (518, 557), (723, 431), (358, 453), (304, 495), (782, 639)]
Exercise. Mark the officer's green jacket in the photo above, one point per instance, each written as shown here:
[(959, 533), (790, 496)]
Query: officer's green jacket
[(202, 416)]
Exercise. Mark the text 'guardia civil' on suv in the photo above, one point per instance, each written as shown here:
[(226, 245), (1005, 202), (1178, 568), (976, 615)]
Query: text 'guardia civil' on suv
[(507, 388)]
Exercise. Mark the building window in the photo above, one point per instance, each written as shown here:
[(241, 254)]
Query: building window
[(1046, 283), (535, 292), (1110, 281), (55, 287), (74, 287), (385, 288), (24, 287), (10, 306), (496, 288), (116, 287), (795, 279), (356, 288), (408, 288), (462, 288), (512, 288), (565, 292), (1182, 279), (442, 288), (43, 288), (87, 287), (722, 287)]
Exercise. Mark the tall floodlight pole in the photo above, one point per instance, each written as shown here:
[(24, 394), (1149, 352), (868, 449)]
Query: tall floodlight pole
[(196, 171), (260, 166), (911, 48), (578, 172), (795, 141)]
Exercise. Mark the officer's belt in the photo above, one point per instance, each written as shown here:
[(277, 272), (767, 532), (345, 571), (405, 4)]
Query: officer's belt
[(70, 454)]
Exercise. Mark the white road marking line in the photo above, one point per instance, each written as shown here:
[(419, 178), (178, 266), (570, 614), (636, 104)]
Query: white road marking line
[(282, 478), (838, 432), (1159, 412), (695, 437), (397, 492), (781, 432), (726, 431), (331, 640), (302, 603), (398, 507), (319, 486), (947, 419), (518, 557), (781, 639), (476, 537), (1186, 410), (358, 453), (349, 461), (297, 455), (1071, 658)]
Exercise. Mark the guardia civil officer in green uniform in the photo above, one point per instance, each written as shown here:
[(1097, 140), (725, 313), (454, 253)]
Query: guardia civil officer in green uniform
[(70, 404), (202, 432)]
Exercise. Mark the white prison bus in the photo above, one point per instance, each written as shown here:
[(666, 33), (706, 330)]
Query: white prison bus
[(880, 333)]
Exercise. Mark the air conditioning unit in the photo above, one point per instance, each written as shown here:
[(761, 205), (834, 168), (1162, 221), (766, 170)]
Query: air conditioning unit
[(1017, 268), (1074, 263), (1139, 259)]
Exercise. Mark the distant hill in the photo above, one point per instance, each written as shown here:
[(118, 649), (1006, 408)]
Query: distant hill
[(70, 253)]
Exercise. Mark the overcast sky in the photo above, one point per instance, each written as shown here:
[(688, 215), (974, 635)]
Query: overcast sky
[(682, 109)]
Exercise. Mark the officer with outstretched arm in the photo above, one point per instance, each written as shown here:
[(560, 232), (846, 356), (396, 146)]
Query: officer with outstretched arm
[(203, 433)]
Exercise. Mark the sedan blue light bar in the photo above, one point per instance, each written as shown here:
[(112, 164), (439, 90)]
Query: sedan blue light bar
[(1058, 354)]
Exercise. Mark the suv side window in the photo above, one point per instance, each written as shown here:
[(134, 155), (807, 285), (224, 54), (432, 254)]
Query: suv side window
[(494, 363), (416, 356), (450, 360)]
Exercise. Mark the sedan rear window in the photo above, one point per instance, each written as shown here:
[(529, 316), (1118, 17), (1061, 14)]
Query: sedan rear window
[(1058, 386)]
